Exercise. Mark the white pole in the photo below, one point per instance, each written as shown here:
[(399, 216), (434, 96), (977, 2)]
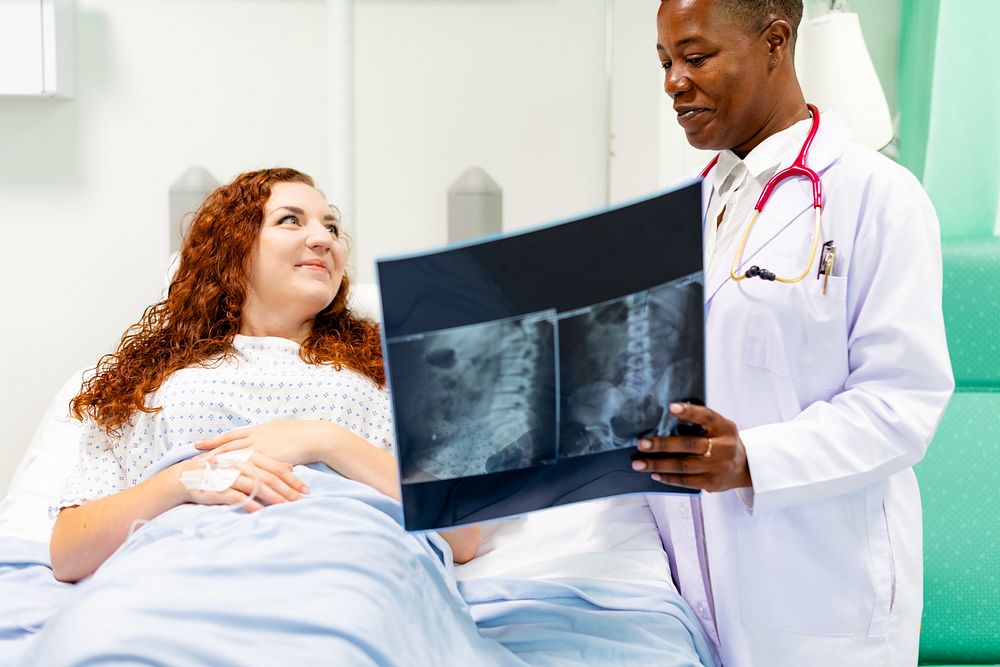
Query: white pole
[(609, 70), (996, 227), (340, 144)]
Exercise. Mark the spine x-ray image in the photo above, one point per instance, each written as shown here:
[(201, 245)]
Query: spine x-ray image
[(497, 396), (623, 361), (478, 399)]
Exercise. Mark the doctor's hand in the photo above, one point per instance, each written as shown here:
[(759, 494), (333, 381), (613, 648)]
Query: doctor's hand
[(713, 461), (294, 441)]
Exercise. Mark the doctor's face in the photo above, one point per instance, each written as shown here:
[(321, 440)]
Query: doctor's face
[(715, 71)]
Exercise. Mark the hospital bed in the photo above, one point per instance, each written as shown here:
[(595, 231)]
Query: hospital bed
[(611, 543)]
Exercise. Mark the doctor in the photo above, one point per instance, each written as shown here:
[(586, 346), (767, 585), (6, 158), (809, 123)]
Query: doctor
[(827, 369)]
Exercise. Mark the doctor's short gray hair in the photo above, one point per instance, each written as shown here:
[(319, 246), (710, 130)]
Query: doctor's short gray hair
[(757, 14)]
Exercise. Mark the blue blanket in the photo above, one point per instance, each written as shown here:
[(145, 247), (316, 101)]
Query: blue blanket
[(333, 579), (572, 622), (29, 595)]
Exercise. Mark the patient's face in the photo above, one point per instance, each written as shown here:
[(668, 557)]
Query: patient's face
[(299, 260)]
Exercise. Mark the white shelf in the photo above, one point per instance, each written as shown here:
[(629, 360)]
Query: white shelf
[(36, 47)]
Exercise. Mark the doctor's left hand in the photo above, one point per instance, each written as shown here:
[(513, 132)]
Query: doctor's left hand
[(713, 461), (293, 441)]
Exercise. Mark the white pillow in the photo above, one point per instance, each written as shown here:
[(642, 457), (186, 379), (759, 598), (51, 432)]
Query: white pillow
[(43, 470), (365, 300)]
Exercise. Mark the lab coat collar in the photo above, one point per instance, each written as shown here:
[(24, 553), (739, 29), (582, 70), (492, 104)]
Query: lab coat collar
[(789, 201)]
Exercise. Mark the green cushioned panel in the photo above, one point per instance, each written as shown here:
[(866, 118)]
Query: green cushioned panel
[(960, 486), (972, 310)]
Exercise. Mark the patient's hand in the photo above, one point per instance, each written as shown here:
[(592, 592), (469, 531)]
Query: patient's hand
[(263, 480), (294, 441), (300, 441)]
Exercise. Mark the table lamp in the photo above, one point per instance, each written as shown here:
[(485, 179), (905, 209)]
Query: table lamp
[(836, 73)]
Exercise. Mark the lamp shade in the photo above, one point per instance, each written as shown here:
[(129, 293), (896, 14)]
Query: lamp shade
[(836, 72)]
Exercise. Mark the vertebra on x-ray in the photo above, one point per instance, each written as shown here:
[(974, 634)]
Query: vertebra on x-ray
[(476, 399), (622, 362)]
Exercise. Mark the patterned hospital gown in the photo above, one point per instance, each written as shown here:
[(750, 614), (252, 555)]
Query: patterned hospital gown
[(263, 381)]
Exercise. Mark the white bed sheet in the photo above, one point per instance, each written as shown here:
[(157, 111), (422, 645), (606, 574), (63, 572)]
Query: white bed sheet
[(611, 539)]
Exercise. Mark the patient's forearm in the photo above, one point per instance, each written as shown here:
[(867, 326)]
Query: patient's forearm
[(86, 535), (355, 458), (464, 543)]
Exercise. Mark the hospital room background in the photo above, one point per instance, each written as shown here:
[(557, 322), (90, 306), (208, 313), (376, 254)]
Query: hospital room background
[(386, 103)]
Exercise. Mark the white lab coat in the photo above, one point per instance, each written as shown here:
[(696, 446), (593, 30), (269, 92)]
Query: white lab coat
[(836, 396)]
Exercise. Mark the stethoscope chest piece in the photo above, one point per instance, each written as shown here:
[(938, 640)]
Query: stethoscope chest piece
[(757, 272)]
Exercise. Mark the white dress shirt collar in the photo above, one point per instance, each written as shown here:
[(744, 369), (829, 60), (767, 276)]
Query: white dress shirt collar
[(737, 184), (763, 161)]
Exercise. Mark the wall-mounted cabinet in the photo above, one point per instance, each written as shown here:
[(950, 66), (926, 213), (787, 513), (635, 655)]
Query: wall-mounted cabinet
[(36, 47)]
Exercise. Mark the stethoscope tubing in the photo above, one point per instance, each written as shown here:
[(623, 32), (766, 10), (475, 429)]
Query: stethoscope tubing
[(798, 169)]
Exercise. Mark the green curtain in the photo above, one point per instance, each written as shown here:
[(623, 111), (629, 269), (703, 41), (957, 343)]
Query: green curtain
[(949, 101), (916, 78)]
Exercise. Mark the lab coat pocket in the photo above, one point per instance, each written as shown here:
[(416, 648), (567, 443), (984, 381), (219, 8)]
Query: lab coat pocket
[(799, 331), (883, 566), (833, 288), (800, 570)]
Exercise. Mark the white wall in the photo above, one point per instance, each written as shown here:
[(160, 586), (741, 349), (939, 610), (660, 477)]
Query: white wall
[(161, 85), (636, 97), (517, 87)]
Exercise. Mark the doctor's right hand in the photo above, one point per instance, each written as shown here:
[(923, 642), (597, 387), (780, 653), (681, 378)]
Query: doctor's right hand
[(716, 460), (261, 481)]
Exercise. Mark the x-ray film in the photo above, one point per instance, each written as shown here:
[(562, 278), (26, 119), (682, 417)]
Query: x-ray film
[(524, 368)]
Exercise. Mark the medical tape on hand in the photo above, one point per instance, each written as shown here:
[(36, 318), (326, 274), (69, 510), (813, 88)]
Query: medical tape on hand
[(217, 476)]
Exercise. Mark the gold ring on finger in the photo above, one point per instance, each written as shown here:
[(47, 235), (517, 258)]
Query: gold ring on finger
[(708, 450)]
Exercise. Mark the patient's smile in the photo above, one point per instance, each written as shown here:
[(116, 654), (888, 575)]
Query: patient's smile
[(315, 265)]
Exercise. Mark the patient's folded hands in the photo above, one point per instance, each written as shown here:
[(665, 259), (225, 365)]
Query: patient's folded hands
[(262, 480), (305, 441)]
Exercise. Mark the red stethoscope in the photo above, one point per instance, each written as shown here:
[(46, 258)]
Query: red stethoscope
[(797, 168)]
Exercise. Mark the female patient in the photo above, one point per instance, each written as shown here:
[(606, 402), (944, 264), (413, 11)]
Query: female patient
[(253, 348)]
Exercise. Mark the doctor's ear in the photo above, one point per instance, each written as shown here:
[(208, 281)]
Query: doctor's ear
[(779, 41)]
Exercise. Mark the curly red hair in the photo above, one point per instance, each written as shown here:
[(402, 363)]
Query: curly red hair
[(197, 321)]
